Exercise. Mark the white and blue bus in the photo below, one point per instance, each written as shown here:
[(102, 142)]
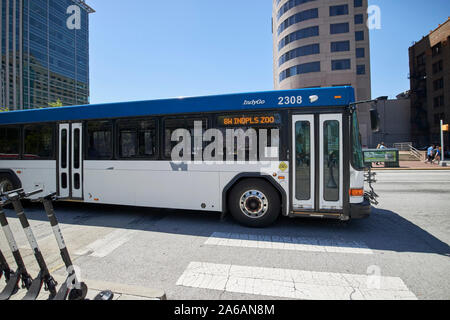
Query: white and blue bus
[(122, 154)]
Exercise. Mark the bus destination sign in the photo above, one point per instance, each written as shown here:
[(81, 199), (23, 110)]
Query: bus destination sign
[(250, 120)]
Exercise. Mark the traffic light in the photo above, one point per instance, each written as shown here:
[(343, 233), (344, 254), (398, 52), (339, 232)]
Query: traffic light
[(445, 127)]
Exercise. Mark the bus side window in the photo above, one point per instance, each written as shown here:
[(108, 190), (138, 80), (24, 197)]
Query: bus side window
[(99, 140), (38, 141), (137, 138), (9, 142), (170, 125)]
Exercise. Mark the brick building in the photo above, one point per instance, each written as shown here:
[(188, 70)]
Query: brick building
[(429, 61)]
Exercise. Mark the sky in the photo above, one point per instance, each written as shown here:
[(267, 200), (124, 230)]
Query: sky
[(148, 49)]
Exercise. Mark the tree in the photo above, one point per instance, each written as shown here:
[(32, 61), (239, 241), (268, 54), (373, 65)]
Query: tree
[(56, 104), (3, 109)]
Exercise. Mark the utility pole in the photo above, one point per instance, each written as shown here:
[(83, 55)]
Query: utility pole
[(443, 163)]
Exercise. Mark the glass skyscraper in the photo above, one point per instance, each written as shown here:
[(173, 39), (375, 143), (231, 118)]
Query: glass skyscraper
[(45, 53)]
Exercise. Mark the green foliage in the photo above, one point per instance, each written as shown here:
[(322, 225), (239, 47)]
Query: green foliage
[(3, 109), (56, 104)]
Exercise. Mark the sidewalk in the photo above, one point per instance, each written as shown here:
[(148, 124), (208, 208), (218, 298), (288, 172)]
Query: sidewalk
[(121, 291), (412, 165)]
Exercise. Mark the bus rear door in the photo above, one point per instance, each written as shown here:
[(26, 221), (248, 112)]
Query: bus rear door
[(70, 160), (318, 163)]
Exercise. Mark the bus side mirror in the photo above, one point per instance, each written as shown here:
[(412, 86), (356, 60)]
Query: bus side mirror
[(374, 120)]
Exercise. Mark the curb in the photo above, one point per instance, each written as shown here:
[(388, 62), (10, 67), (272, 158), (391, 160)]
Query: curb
[(121, 291)]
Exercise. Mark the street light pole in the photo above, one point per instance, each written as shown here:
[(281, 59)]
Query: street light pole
[(442, 140)]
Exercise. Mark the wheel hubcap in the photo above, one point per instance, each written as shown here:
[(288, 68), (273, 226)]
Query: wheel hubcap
[(5, 186), (254, 204)]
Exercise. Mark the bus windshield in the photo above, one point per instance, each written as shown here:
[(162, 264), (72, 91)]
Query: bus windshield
[(357, 154)]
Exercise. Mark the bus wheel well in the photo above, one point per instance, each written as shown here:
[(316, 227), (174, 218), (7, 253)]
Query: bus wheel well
[(11, 176), (250, 176)]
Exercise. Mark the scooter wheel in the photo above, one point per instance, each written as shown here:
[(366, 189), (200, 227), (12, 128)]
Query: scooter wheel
[(78, 294)]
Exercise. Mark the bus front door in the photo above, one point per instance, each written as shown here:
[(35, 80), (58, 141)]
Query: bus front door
[(70, 159), (317, 162)]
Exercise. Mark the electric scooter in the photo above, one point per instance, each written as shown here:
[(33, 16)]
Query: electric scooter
[(4, 268), (44, 277), (12, 284), (71, 289)]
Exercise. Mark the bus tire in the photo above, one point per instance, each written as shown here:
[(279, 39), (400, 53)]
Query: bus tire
[(254, 203), (6, 183)]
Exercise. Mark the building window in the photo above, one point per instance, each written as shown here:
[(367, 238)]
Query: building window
[(343, 64), (437, 67), (358, 3), (300, 52), (438, 84), (289, 5), (360, 52), (421, 59), (298, 35), (361, 69), (359, 19), (339, 28), (339, 10), (438, 102), (299, 17), (340, 46), (437, 49), (359, 35), (300, 69)]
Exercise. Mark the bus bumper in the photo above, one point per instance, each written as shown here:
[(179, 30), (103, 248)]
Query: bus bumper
[(360, 210)]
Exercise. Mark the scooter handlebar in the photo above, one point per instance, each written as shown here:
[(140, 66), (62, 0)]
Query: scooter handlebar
[(32, 193)]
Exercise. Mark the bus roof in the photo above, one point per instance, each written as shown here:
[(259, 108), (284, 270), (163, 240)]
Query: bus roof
[(335, 96)]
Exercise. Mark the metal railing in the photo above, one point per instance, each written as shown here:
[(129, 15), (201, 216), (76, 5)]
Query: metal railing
[(407, 146), (403, 146), (415, 153)]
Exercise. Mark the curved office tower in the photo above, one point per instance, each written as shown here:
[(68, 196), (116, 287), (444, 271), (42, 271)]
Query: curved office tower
[(322, 43), (44, 53)]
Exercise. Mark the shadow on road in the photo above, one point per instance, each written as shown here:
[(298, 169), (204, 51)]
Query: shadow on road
[(384, 230)]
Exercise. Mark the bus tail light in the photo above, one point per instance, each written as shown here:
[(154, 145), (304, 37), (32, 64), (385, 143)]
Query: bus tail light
[(356, 192)]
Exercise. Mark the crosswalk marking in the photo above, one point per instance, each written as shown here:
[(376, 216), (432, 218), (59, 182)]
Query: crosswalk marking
[(102, 247), (295, 284), (287, 243)]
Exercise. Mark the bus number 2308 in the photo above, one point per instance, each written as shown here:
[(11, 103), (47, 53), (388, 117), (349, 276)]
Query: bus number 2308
[(290, 100)]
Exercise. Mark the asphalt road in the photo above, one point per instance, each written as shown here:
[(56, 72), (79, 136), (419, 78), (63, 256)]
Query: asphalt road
[(401, 251)]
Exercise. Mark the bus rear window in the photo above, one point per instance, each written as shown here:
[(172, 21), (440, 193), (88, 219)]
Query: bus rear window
[(38, 141), (9, 142)]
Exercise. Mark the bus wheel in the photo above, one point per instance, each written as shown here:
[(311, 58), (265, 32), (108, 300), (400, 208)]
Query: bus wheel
[(5, 183), (254, 203)]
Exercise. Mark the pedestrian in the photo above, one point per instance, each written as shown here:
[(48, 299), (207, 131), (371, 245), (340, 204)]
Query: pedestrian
[(378, 147), (437, 156), (430, 151)]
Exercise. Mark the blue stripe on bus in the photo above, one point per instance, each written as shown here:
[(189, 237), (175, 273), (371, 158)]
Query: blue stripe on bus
[(336, 96)]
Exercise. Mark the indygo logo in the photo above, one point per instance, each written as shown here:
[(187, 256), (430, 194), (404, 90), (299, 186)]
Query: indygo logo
[(254, 102)]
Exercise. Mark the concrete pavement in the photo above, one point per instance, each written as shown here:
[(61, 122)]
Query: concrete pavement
[(400, 252)]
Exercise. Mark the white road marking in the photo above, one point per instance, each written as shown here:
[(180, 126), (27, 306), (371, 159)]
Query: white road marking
[(287, 243), (102, 247), (295, 284)]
